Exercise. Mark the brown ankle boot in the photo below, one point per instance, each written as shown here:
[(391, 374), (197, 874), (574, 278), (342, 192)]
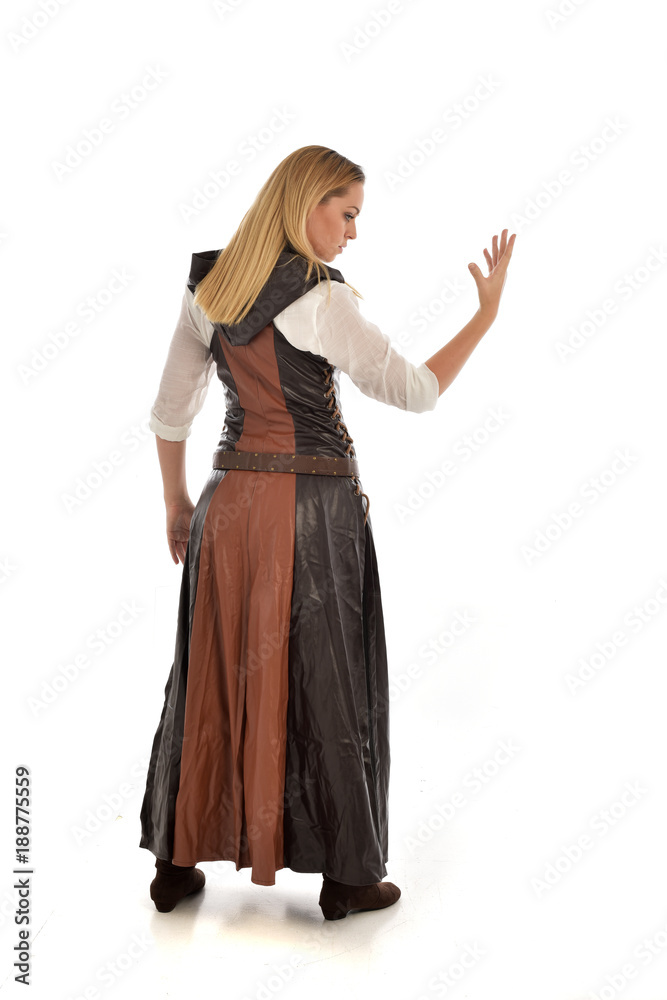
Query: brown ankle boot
[(173, 882), (337, 899)]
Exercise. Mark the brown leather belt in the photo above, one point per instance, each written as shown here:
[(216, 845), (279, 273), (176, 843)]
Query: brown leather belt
[(266, 461)]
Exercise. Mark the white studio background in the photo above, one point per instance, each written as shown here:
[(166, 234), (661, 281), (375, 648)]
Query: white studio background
[(519, 526)]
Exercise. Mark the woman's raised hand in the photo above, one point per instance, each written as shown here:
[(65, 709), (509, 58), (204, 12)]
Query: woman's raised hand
[(490, 287), (178, 529)]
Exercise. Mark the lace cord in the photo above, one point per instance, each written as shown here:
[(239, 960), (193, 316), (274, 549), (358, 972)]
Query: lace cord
[(333, 406)]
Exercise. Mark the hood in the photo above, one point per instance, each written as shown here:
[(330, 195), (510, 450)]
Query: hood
[(286, 283)]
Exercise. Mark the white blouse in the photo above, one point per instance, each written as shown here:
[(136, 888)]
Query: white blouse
[(337, 332)]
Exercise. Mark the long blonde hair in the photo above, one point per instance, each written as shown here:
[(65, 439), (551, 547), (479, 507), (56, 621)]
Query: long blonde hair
[(276, 221)]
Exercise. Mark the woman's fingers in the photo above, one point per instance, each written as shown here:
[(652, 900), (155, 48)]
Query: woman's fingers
[(502, 252), (507, 252), (177, 550), (506, 245)]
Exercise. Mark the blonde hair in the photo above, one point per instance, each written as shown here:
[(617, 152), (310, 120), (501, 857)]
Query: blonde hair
[(275, 222)]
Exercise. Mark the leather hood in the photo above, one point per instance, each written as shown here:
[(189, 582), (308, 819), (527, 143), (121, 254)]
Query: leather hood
[(286, 283)]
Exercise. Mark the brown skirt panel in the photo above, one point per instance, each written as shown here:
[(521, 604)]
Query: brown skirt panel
[(231, 792)]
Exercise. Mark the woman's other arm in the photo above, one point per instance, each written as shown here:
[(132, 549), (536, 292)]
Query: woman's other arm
[(183, 388), (171, 455), (179, 506)]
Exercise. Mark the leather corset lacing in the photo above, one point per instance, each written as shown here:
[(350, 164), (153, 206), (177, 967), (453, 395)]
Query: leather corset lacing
[(326, 465), (331, 393)]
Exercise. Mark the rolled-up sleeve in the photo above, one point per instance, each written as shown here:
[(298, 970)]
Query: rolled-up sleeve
[(338, 332), (186, 375)]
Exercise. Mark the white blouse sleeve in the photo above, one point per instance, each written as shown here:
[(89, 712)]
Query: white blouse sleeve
[(186, 375), (341, 334)]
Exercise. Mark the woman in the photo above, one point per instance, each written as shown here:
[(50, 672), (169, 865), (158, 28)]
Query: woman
[(272, 749)]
